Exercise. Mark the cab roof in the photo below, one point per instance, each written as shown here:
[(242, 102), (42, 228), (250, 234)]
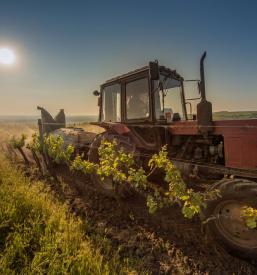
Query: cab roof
[(164, 70)]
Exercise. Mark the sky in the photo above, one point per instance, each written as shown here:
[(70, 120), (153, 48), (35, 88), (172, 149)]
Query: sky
[(67, 49)]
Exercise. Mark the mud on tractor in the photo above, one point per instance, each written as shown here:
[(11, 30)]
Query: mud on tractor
[(148, 108)]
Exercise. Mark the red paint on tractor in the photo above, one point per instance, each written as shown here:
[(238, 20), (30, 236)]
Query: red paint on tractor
[(240, 139)]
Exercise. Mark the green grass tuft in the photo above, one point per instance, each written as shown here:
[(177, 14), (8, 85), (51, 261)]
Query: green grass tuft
[(38, 235)]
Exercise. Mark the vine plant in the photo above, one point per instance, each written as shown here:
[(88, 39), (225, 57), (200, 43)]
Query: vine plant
[(250, 216), (18, 143), (56, 150), (121, 167)]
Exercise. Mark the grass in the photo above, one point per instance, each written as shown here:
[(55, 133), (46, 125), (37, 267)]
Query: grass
[(7, 130), (38, 235)]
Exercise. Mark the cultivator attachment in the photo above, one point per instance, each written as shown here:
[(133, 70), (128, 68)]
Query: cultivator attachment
[(48, 124), (75, 136)]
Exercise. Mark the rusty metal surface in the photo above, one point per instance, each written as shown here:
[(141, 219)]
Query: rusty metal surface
[(212, 169), (119, 128), (241, 151), (221, 127), (240, 139), (48, 123), (76, 137), (232, 225)]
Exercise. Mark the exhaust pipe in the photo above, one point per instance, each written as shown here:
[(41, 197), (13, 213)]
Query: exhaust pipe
[(204, 107), (202, 84)]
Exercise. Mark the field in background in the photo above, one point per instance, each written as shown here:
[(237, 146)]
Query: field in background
[(16, 125), (10, 129), (33, 119), (77, 120), (235, 115)]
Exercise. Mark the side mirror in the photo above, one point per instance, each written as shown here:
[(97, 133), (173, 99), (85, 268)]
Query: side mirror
[(96, 93), (154, 70)]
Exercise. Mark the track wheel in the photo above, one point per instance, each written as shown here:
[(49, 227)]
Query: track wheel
[(224, 221), (108, 187)]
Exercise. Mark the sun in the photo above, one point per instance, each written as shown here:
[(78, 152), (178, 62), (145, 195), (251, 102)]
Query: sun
[(7, 56)]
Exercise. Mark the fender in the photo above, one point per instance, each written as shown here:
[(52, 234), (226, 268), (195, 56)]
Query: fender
[(118, 128)]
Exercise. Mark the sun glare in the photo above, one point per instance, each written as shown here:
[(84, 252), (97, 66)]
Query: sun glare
[(7, 56)]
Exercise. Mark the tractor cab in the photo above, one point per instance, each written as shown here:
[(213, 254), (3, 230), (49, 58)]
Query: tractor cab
[(153, 94)]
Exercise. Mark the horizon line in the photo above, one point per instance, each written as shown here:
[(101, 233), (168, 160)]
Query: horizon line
[(74, 115)]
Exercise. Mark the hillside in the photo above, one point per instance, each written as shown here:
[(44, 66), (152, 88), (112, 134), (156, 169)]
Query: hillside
[(223, 115)]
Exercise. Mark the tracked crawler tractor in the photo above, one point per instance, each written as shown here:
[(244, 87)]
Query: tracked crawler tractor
[(148, 108)]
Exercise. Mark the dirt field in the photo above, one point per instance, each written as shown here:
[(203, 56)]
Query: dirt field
[(163, 243)]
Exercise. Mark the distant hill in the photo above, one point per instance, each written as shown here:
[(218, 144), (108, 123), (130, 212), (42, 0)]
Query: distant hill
[(223, 115), (234, 115), (33, 119)]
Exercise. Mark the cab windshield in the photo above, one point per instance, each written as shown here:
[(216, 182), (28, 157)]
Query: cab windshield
[(168, 99)]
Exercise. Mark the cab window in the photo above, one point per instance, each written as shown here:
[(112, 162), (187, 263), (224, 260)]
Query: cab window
[(168, 99), (137, 99), (111, 103)]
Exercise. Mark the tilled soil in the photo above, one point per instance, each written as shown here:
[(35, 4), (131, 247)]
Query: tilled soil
[(163, 243)]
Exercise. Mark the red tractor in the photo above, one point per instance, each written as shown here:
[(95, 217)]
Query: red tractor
[(147, 108)]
